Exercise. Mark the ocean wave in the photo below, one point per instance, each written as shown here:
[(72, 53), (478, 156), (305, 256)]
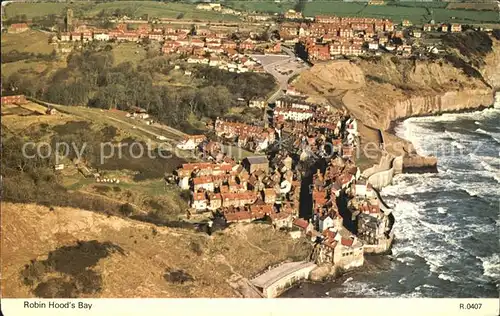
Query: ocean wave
[(495, 173), (447, 277), (366, 290), (494, 136), (442, 210), (491, 266), (439, 229), (452, 117), (458, 145), (406, 260), (488, 164)]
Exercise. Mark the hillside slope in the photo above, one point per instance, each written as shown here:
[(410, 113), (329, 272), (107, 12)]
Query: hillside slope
[(74, 253)]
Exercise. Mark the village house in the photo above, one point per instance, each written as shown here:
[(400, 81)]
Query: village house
[(416, 33), (428, 27), (170, 47), (101, 35), (256, 163), (76, 36), (444, 28), (238, 199), (327, 19), (319, 52), (305, 226), (341, 251), (215, 201), (65, 37), (257, 103), (18, 28), (292, 14), (237, 214), (13, 99), (247, 44), (199, 201), (87, 36), (274, 49), (190, 142), (406, 23), (455, 27), (156, 36), (281, 219), (203, 183), (293, 114), (269, 196), (209, 6)]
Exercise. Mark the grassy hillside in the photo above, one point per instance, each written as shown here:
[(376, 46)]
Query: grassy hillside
[(69, 252), (141, 184), (30, 42), (135, 8)]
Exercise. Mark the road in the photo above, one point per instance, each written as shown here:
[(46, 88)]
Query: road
[(272, 66), (66, 109)]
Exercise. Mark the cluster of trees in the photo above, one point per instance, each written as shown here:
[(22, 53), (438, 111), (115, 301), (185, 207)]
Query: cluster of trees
[(18, 18), (91, 78), (14, 55)]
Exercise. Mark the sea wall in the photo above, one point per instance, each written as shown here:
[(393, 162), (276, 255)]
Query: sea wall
[(381, 175), (383, 165), (381, 179), (384, 246), (275, 281)]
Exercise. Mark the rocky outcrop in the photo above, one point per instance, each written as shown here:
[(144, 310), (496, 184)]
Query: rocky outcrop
[(417, 164), (491, 68)]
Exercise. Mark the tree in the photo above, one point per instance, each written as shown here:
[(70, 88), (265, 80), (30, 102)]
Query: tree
[(126, 209)]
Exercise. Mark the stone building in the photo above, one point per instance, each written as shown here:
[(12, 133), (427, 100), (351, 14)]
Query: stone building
[(339, 250), (255, 163)]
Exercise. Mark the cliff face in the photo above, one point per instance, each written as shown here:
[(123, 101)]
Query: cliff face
[(386, 89), (491, 68)]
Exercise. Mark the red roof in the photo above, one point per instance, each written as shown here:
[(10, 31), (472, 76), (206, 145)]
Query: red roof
[(346, 242), (202, 180), (199, 196), (19, 25), (302, 223)]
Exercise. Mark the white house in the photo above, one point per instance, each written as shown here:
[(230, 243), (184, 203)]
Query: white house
[(325, 223), (262, 145), (294, 114), (373, 46), (352, 126), (199, 202), (190, 142), (183, 182), (104, 37), (257, 103), (364, 190), (203, 183)]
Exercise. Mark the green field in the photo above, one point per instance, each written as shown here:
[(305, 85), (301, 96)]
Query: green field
[(417, 12), (29, 42), (132, 52), (139, 8), (260, 6)]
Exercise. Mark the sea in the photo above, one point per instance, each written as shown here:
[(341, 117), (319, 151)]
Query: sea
[(447, 223)]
